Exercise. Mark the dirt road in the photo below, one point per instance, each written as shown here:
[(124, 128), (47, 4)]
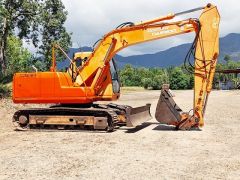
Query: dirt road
[(152, 152)]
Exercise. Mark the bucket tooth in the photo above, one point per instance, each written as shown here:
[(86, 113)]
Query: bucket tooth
[(136, 116), (167, 111)]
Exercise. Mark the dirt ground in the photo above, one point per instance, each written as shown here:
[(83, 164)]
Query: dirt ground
[(151, 152)]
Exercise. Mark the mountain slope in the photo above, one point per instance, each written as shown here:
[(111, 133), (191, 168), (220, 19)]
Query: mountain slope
[(230, 45), (174, 56)]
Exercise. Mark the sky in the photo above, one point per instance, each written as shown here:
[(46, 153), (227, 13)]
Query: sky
[(89, 20)]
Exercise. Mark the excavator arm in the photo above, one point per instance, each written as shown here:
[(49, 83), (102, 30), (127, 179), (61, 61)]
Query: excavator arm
[(205, 49)]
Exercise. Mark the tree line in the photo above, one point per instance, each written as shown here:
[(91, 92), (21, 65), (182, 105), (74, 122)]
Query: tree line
[(177, 77), (153, 78)]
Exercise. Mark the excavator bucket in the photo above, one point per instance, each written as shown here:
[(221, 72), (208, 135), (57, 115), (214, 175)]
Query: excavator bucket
[(167, 111), (136, 116)]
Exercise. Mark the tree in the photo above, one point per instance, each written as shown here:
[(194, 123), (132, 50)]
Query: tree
[(16, 14), (19, 58), (125, 75), (158, 81), (227, 58), (52, 20), (146, 82), (178, 79), (36, 20)]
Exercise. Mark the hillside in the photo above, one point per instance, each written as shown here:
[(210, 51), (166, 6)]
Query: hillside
[(174, 56)]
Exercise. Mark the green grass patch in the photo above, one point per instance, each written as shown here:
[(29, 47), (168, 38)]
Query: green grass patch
[(132, 88)]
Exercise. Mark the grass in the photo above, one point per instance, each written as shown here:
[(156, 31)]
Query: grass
[(132, 89)]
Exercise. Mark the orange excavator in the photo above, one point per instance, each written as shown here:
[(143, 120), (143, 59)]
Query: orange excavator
[(92, 77)]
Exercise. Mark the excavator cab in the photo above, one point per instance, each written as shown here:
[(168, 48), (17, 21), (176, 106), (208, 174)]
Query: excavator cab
[(115, 78), (79, 58)]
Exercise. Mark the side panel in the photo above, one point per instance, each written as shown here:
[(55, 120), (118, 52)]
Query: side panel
[(47, 84), (26, 85), (48, 87)]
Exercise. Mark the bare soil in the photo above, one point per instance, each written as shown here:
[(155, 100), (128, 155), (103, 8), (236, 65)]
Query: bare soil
[(152, 151)]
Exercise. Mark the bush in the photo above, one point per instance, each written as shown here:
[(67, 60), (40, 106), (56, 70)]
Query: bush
[(146, 82), (178, 79), (4, 79), (4, 91), (158, 81)]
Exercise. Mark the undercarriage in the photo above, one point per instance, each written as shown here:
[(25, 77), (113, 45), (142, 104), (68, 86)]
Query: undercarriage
[(75, 117)]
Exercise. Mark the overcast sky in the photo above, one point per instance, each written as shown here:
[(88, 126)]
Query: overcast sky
[(89, 20)]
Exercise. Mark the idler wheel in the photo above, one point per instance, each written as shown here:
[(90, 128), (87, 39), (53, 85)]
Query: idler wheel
[(23, 120)]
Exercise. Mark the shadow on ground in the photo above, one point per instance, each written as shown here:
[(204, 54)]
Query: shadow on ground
[(159, 127), (163, 127), (138, 128)]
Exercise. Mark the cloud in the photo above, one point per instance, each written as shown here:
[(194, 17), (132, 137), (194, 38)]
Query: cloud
[(89, 20)]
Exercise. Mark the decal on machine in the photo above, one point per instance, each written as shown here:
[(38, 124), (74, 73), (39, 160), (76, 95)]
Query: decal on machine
[(28, 75), (161, 31)]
